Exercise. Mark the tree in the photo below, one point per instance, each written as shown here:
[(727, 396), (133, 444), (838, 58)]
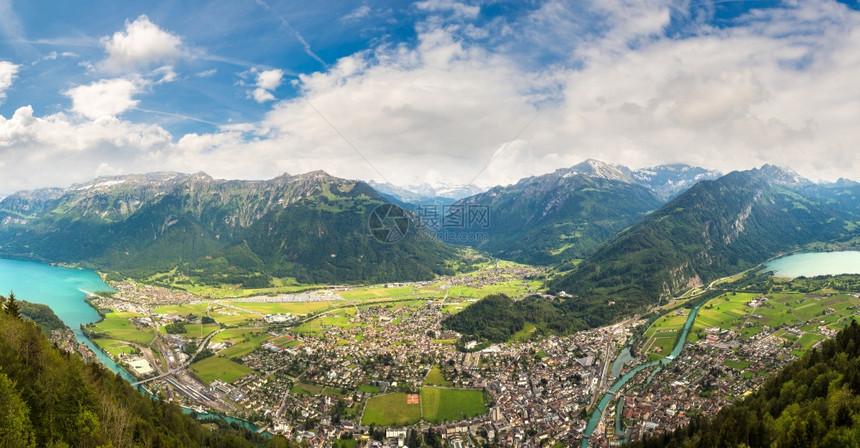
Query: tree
[(12, 307), (15, 427), (414, 439)]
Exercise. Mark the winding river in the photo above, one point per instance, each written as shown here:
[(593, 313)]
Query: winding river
[(597, 414)]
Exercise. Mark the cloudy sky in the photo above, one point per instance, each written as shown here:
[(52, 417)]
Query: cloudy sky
[(482, 92)]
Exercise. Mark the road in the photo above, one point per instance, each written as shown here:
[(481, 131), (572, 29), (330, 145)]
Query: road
[(184, 365)]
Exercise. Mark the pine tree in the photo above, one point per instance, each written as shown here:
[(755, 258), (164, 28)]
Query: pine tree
[(12, 307)]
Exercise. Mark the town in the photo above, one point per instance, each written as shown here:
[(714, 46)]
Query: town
[(375, 363)]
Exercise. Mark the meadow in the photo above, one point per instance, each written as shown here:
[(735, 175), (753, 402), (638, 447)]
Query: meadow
[(435, 377), (116, 325), (219, 368), (449, 405), (390, 410)]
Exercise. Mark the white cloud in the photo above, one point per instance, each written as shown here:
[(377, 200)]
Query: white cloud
[(141, 45), (356, 14), (728, 98), (165, 74), (207, 73), (63, 149), (450, 6), (270, 79), (262, 95), (8, 71), (104, 98), (267, 81)]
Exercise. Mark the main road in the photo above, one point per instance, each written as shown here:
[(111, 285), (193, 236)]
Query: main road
[(185, 364)]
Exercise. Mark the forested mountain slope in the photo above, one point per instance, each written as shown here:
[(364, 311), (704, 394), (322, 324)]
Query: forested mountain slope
[(714, 229), (50, 398), (310, 228)]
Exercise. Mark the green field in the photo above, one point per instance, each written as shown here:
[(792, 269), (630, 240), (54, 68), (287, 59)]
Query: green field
[(341, 443), (246, 341), (390, 410), (661, 336), (218, 368), (198, 309), (368, 389), (195, 330), (449, 405), (306, 389), (737, 365), (454, 307), (231, 317), (525, 334), (114, 347), (377, 292), (296, 308), (116, 325), (730, 311), (340, 318), (435, 377)]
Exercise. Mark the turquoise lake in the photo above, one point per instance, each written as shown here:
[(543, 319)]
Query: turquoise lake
[(816, 263), (62, 289)]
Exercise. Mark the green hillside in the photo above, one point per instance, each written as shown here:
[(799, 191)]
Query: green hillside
[(51, 399), (497, 318), (311, 228)]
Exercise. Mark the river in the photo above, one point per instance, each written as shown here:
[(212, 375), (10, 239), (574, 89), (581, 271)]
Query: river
[(597, 414)]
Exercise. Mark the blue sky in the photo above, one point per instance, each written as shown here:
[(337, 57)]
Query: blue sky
[(432, 91)]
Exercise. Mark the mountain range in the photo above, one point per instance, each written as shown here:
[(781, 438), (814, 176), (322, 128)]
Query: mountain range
[(564, 215), (310, 228), (422, 194), (714, 229), (631, 237)]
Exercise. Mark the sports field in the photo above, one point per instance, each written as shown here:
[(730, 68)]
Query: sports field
[(391, 410), (223, 369), (449, 405)]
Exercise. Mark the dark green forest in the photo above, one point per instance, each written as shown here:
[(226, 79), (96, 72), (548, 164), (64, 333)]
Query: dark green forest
[(814, 402), (496, 318), (49, 398)]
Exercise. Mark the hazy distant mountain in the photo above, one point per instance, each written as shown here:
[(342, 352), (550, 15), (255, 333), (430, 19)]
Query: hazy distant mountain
[(565, 214), (669, 181), (715, 228), (425, 194), (311, 228)]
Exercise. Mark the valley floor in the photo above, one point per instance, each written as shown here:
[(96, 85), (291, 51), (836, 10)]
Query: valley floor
[(319, 364)]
